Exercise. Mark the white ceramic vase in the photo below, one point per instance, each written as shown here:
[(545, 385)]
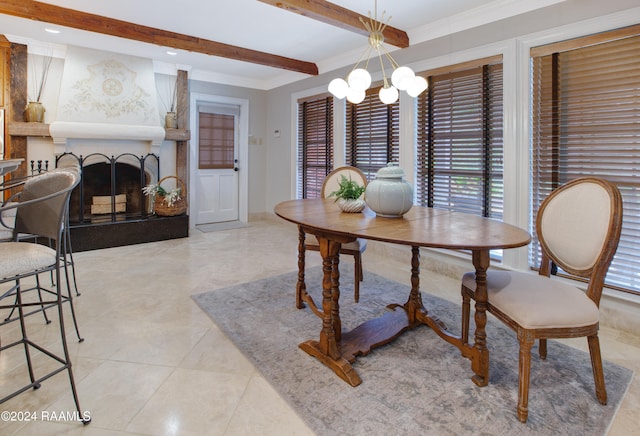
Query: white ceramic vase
[(351, 206), (389, 195)]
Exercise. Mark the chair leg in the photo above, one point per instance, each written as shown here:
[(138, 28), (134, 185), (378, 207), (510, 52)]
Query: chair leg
[(68, 251), (38, 288), (23, 331), (73, 316), (67, 358), (596, 365), (542, 348), (69, 296), (358, 277), (524, 368), (466, 313)]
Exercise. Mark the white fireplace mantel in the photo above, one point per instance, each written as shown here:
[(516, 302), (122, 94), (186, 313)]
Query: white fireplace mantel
[(62, 131)]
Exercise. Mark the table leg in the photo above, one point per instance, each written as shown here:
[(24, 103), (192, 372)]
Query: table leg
[(414, 304), (335, 296), (480, 355), (417, 314), (326, 349), (301, 287)]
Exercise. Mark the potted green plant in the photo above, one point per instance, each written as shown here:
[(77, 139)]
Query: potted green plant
[(348, 196)]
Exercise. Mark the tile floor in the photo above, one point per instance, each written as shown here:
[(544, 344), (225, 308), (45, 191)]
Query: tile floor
[(154, 364)]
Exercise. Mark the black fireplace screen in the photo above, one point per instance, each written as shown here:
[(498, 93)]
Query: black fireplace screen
[(111, 187)]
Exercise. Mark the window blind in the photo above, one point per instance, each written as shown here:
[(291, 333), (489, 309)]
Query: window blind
[(586, 122), (216, 146), (315, 144), (460, 145), (372, 134)]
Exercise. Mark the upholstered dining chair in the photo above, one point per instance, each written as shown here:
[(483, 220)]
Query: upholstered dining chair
[(41, 212), (578, 226), (355, 248)]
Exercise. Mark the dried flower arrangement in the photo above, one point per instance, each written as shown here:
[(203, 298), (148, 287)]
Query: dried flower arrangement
[(39, 77), (170, 197), (167, 202)]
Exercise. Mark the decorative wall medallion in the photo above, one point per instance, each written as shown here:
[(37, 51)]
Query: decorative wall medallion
[(112, 87), (103, 87)]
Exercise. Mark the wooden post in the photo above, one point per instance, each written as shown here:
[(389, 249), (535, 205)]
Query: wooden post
[(16, 146), (182, 109)]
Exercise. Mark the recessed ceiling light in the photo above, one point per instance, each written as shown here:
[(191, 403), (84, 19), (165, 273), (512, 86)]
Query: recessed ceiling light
[(54, 31), (172, 53)]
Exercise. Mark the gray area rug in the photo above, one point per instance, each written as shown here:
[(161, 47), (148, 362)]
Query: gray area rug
[(418, 384)]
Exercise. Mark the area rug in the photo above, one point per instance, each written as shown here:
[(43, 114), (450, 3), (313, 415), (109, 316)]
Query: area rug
[(417, 384)]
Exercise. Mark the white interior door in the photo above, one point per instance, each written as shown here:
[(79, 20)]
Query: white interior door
[(217, 190)]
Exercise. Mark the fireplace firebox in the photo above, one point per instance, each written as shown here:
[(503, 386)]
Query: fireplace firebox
[(108, 207)]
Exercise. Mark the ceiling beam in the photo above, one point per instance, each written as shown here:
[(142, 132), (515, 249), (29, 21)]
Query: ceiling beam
[(48, 13), (340, 17)]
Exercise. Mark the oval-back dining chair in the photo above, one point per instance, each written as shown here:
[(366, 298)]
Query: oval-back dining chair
[(578, 226), (355, 248)]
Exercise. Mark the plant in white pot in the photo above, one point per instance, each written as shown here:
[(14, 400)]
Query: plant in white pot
[(348, 196)]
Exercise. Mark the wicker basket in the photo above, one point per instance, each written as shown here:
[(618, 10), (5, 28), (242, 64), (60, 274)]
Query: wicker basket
[(161, 208)]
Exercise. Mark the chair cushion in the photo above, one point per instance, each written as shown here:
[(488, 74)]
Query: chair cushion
[(358, 245), (5, 235), (8, 222), (24, 257), (536, 302)]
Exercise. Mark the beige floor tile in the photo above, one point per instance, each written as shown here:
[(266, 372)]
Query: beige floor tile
[(115, 392), (191, 402), (215, 352)]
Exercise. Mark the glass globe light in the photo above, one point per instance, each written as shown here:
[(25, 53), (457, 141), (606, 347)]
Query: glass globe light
[(388, 95), (359, 79), (418, 85), (355, 96), (339, 88), (402, 77)]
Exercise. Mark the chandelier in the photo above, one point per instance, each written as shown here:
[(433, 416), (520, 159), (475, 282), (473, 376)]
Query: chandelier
[(358, 80)]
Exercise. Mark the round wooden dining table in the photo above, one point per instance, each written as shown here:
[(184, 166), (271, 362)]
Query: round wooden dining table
[(420, 227)]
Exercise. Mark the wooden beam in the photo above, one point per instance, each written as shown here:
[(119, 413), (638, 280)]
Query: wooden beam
[(340, 17), (48, 13)]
